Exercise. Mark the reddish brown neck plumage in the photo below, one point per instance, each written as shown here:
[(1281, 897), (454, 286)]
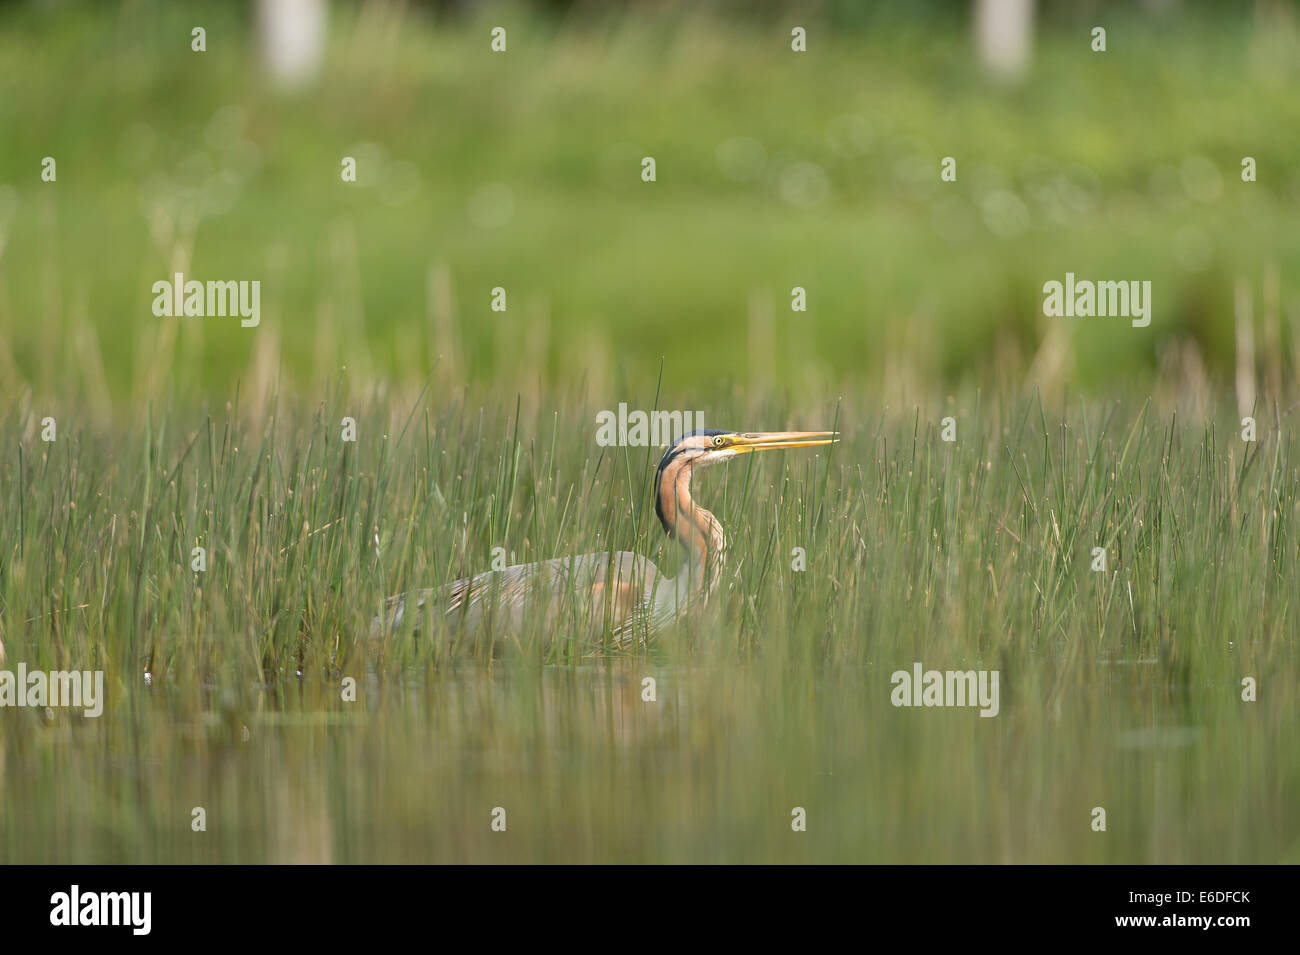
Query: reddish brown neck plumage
[(698, 531)]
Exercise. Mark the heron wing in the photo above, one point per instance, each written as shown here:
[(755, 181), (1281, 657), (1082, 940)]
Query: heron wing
[(588, 591)]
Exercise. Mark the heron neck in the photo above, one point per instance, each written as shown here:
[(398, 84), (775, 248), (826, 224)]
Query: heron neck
[(697, 530), (702, 543)]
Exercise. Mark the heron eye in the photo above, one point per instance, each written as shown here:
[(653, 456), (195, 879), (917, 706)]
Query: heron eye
[(717, 441)]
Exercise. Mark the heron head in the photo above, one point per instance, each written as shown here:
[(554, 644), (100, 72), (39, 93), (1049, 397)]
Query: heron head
[(710, 445)]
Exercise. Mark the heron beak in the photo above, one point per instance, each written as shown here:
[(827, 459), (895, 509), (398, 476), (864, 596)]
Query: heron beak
[(779, 440)]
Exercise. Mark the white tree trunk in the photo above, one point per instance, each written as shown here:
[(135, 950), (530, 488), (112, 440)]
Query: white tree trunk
[(291, 36), (1004, 33)]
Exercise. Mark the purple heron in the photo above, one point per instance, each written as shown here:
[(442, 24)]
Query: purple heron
[(619, 593)]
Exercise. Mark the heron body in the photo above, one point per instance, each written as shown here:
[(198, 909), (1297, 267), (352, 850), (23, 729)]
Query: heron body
[(621, 594)]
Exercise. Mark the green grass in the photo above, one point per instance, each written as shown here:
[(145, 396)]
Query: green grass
[(1119, 689)]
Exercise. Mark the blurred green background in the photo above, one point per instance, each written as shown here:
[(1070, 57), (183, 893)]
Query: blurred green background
[(522, 170)]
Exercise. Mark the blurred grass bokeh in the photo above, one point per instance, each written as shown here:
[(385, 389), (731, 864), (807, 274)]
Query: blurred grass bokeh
[(522, 170)]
